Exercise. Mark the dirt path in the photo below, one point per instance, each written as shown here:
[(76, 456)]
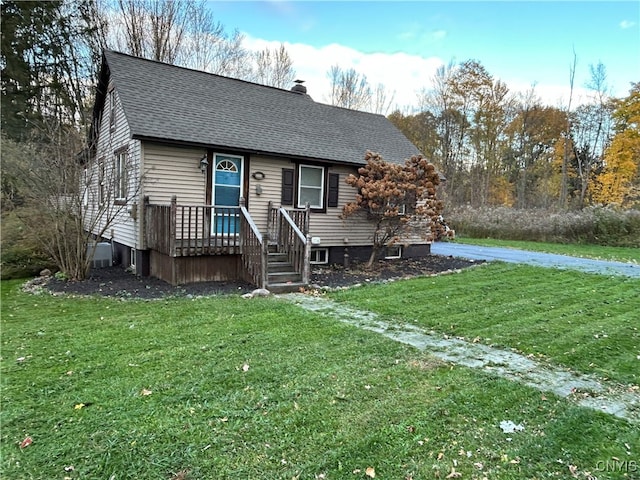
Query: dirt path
[(585, 390)]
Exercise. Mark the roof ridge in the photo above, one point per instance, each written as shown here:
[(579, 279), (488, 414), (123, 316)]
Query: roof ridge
[(195, 70)]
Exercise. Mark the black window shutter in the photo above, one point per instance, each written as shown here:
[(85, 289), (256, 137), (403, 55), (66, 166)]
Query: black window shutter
[(334, 180), (287, 186)]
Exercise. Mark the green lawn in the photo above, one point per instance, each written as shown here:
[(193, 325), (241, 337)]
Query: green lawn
[(233, 388), (599, 252)]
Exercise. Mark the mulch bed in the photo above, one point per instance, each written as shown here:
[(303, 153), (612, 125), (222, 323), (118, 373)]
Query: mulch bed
[(117, 282)]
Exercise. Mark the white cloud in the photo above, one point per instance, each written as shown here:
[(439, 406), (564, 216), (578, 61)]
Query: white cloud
[(627, 24), (404, 76)]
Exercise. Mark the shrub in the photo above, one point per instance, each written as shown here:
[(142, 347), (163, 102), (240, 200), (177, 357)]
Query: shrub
[(20, 256)]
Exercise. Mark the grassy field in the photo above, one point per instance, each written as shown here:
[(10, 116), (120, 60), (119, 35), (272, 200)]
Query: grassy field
[(231, 388), (598, 252)]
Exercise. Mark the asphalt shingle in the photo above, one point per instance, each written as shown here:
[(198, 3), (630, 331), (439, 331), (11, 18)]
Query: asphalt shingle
[(163, 101)]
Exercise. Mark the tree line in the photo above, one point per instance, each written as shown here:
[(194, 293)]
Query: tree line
[(496, 148)]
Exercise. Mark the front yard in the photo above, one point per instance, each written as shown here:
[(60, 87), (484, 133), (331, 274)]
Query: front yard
[(225, 387)]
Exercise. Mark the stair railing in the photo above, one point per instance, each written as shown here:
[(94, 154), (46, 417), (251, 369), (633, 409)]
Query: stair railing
[(254, 250), (295, 244)]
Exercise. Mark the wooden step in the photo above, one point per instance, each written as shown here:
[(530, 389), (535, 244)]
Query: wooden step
[(288, 287), (283, 277)]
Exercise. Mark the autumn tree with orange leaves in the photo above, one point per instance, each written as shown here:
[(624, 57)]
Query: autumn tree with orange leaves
[(619, 181), (398, 199)]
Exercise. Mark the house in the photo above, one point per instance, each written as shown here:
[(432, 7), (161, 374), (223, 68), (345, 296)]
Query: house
[(222, 179)]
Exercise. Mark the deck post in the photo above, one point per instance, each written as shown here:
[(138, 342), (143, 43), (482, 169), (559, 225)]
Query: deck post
[(307, 214), (264, 273), (306, 267), (242, 234), (173, 226), (269, 221), (144, 222)]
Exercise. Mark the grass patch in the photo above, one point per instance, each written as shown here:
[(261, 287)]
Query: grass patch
[(230, 388), (586, 322), (598, 252)]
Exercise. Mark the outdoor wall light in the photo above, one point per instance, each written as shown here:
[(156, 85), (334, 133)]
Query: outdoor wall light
[(258, 175), (204, 163), (258, 189)]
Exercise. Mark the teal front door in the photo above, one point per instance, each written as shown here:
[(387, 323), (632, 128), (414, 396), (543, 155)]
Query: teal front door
[(227, 190)]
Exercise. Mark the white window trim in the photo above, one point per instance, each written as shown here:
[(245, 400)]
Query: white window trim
[(322, 170), (389, 256), (121, 175), (112, 109), (326, 256)]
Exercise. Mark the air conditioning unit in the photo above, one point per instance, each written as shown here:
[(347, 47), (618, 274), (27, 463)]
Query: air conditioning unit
[(102, 256)]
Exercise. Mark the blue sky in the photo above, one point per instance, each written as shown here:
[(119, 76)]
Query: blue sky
[(400, 44)]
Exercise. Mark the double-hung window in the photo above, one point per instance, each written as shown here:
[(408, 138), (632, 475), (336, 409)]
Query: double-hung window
[(311, 186), (120, 175), (112, 109)]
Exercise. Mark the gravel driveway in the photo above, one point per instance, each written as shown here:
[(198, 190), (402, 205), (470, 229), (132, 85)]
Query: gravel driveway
[(511, 255)]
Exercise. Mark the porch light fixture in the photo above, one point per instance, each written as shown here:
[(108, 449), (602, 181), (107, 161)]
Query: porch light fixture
[(204, 163)]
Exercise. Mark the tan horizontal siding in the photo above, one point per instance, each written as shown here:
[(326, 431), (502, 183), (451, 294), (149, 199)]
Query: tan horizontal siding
[(271, 187), (173, 171), (332, 230)]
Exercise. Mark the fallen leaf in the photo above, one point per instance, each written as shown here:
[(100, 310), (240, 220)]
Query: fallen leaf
[(245, 367), (454, 474), (370, 472), (26, 442), (79, 406), (70, 468), (145, 392), (440, 456), (573, 469)]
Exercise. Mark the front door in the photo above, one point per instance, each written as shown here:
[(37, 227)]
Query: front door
[(227, 190)]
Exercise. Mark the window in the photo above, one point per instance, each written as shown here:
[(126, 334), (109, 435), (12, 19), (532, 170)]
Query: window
[(120, 175), (393, 251), (319, 256), (112, 109), (85, 188), (310, 186), (101, 192)]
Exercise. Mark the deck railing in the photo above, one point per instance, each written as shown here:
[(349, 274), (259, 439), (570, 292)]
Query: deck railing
[(192, 230)]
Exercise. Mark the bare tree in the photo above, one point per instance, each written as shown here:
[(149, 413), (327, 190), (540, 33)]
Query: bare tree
[(274, 67), (181, 32), (349, 89), (66, 201), (564, 185), (381, 101), (592, 129)]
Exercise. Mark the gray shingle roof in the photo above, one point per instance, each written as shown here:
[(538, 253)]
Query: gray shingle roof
[(163, 101)]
